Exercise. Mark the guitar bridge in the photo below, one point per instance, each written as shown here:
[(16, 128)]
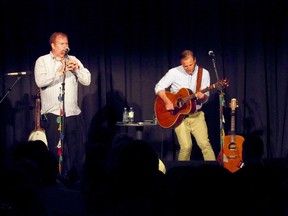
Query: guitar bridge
[(232, 157)]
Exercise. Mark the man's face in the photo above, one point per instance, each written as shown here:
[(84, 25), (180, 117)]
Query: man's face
[(189, 64), (59, 46)]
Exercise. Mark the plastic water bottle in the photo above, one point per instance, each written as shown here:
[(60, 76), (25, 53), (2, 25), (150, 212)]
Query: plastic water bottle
[(131, 115), (125, 116), (155, 119)]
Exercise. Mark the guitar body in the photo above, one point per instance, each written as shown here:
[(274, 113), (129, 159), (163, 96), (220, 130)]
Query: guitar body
[(38, 134), (172, 118), (183, 105), (232, 148), (232, 152)]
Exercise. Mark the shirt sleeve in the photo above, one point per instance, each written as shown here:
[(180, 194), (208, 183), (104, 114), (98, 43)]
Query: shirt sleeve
[(164, 82), (83, 74), (42, 72)]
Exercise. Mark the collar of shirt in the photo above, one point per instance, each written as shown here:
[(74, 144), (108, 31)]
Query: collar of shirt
[(54, 57), (194, 72)]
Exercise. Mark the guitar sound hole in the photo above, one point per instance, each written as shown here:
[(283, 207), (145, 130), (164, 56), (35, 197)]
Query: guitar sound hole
[(232, 146), (179, 103)]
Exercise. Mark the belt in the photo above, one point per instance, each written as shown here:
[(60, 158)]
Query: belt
[(190, 115)]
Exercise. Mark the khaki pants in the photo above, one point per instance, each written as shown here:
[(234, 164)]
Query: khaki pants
[(194, 124)]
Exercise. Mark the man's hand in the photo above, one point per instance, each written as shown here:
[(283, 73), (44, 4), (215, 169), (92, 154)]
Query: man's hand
[(199, 95), (72, 65), (169, 105)]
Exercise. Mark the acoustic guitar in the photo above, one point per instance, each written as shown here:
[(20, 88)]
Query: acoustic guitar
[(38, 133), (184, 104), (232, 149)]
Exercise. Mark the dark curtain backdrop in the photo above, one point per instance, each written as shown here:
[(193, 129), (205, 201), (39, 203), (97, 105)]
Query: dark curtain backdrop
[(129, 45)]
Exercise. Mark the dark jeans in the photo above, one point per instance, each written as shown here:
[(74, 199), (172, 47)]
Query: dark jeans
[(71, 136)]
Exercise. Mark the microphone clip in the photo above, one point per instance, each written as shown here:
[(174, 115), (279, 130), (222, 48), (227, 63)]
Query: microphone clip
[(66, 51), (211, 53)]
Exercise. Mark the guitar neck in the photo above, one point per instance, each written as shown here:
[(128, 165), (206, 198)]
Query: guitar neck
[(192, 96), (233, 106), (37, 113), (232, 130)]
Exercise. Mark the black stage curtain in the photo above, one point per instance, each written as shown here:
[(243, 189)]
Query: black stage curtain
[(129, 45)]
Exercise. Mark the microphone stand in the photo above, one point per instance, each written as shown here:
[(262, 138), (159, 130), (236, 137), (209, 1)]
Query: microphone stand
[(221, 105), (62, 115), (10, 89)]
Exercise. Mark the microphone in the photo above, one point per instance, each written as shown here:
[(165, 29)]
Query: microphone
[(211, 53), (67, 50), (18, 73)]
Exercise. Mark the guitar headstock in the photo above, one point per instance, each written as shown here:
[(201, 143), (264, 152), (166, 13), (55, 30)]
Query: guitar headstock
[(233, 104), (223, 83), (220, 83), (38, 93)]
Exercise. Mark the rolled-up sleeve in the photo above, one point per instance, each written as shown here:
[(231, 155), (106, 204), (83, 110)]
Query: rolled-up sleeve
[(164, 82), (83, 75)]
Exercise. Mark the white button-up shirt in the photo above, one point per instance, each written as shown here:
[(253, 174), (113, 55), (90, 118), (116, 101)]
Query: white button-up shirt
[(47, 78)]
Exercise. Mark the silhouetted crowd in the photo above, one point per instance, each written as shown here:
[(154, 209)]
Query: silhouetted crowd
[(125, 179)]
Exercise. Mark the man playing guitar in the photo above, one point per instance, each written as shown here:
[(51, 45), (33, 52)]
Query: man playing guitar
[(187, 77)]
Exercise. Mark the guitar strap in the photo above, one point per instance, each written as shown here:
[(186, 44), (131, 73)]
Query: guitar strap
[(199, 79)]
